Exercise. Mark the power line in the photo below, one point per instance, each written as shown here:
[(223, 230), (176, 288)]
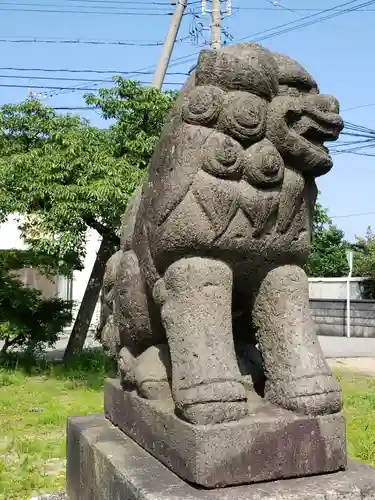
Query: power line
[(49, 87), (75, 108), (359, 107), (137, 2), (99, 71), (111, 7), (289, 28), (86, 42), (252, 38), (279, 6), (56, 78), (358, 128), (188, 58), (351, 215), (298, 10), (117, 13)]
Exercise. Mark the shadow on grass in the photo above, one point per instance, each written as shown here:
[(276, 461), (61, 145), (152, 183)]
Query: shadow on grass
[(89, 368)]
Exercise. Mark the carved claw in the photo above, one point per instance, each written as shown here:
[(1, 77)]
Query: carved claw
[(212, 403), (319, 395)]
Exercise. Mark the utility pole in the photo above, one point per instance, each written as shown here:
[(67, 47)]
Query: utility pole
[(170, 40), (216, 25)]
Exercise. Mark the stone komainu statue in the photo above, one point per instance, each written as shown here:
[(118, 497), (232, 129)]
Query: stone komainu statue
[(207, 299)]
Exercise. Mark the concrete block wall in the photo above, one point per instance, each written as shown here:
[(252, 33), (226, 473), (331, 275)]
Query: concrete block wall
[(330, 317)]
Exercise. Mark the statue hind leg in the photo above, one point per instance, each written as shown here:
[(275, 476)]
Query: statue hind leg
[(143, 357)]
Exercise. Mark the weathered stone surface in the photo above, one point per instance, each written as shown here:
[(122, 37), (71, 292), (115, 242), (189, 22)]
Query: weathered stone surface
[(105, 464), (206, 303), (214, 243), (270, 443)]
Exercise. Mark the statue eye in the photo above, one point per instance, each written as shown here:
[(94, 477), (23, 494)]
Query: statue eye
[(297, 90)]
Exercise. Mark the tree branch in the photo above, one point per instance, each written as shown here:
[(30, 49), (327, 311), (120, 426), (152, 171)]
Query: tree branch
[(103, 230)]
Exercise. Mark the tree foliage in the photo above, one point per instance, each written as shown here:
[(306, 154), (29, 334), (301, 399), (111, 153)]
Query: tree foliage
[(328, 249), (68, 176), (364, 257), (27, 320), (138, 113), (59, 172), (64, 176)]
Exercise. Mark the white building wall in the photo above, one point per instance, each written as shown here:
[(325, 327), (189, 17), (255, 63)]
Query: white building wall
[(10, 236)]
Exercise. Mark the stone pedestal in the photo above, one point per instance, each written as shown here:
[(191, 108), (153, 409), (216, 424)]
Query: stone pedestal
[(271, 443), (105, 464)]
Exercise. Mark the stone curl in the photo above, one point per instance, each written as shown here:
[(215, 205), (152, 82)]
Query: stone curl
[(244, 117), (222, 156), (263, 165), (203, 105)]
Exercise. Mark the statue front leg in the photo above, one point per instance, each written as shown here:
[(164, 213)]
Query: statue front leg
[(196, 298), (298, 377)]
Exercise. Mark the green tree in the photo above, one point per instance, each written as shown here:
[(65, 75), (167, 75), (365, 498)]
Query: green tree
[(328, 248), (364, 257), (27, 319), (67, 176)]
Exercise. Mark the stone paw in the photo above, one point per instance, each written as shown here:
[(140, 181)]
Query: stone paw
[(153, 372), (125, 363), (212, 403), (318, 395)]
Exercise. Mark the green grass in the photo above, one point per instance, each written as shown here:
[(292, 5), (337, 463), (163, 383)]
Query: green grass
[(359, 408), (37, 397), (35, 400)]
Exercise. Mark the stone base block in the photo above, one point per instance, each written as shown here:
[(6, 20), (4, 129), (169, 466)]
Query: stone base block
[(105, 464), (271, 443)]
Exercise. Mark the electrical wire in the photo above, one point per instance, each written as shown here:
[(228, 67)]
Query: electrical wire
[(87, 42), (104, 13), (187, 58), (298, 10), (126, 2), (358, 128), (351, 215), (49, 87), (56, 78), (252, 38), (359, 107), (288, 26), (99, 71), (111, 7), (282, 7)]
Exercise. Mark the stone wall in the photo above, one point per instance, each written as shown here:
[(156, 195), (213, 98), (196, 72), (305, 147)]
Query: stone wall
[(330, 317), (335, 288)]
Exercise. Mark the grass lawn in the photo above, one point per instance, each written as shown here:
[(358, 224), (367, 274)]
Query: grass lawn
[(36, 398)]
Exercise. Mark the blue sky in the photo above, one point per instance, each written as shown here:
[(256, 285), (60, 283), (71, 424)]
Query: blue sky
[(338, 53)]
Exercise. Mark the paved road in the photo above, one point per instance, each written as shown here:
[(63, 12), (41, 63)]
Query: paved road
[(341, 347)]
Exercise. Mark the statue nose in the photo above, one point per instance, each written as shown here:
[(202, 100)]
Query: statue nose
[(325, 103), (332, 103)]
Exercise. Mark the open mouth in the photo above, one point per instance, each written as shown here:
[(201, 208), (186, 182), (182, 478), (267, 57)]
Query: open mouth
[(318, 128)]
